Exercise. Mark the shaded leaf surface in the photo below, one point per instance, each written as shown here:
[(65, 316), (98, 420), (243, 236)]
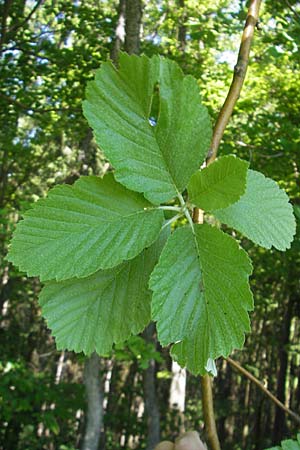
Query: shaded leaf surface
[(93, 313)]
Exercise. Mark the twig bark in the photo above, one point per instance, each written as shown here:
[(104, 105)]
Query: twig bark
[(206, 383), (258, 383), (238, 78), (133, 19), (222, 121), (119, 32), (208, 412)]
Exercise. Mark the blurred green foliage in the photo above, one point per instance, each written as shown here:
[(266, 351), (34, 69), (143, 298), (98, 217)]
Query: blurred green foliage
[(44, 66)]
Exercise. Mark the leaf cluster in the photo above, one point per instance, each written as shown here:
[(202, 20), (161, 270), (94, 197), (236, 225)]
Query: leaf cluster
[(97, 244)]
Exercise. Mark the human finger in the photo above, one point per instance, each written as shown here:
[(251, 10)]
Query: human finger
[(165, 445), (189, 441)]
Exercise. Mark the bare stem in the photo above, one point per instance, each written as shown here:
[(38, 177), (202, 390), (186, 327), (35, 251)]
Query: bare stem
[(170, 208), (222, 121), (258, 383), (238, 78), (208, 412)]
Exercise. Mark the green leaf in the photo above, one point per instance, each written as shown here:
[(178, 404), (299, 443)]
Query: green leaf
[(220, 184), (77, 230), (93, 313), (157, 160), (290, 444), (201, 295), (263, 214)]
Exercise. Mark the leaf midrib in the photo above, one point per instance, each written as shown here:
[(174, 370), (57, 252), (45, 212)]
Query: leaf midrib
[(202, 279), (144, 116), (216, 185), (87, 226)]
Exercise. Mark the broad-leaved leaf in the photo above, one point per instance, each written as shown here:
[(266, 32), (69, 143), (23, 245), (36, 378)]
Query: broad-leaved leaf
[(77, 230), (157, 160), (93, 313), (220, 184), (201, 295), (288, 444), (263, 214)]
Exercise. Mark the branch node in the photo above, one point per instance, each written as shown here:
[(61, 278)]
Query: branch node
[(240, 68)]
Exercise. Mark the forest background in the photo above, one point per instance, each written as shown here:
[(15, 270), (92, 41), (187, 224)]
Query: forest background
[(48, 51)]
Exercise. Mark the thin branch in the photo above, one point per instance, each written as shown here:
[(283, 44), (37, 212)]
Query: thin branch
[(258, 383), (206, 382), (30, 53), (296, 14), (27, 108), (27, 18), (223, 118), (14, 101), (255, 147), (208, 412), (276, 155), (238, 78)]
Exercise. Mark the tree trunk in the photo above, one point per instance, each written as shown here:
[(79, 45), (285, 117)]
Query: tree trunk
[(182, 26), (94, 393), (120, 32), (224, 382), (279, 423), (177, 395), (257, 432), (150, 396), (133, 10), (177, 390), (128, 392)]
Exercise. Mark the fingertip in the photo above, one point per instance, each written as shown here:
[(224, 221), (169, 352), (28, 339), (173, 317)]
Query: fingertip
[(165, 445), (189, 441)]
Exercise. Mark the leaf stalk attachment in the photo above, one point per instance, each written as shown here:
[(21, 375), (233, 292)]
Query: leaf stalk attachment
[(185, 210), (169, 222)]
